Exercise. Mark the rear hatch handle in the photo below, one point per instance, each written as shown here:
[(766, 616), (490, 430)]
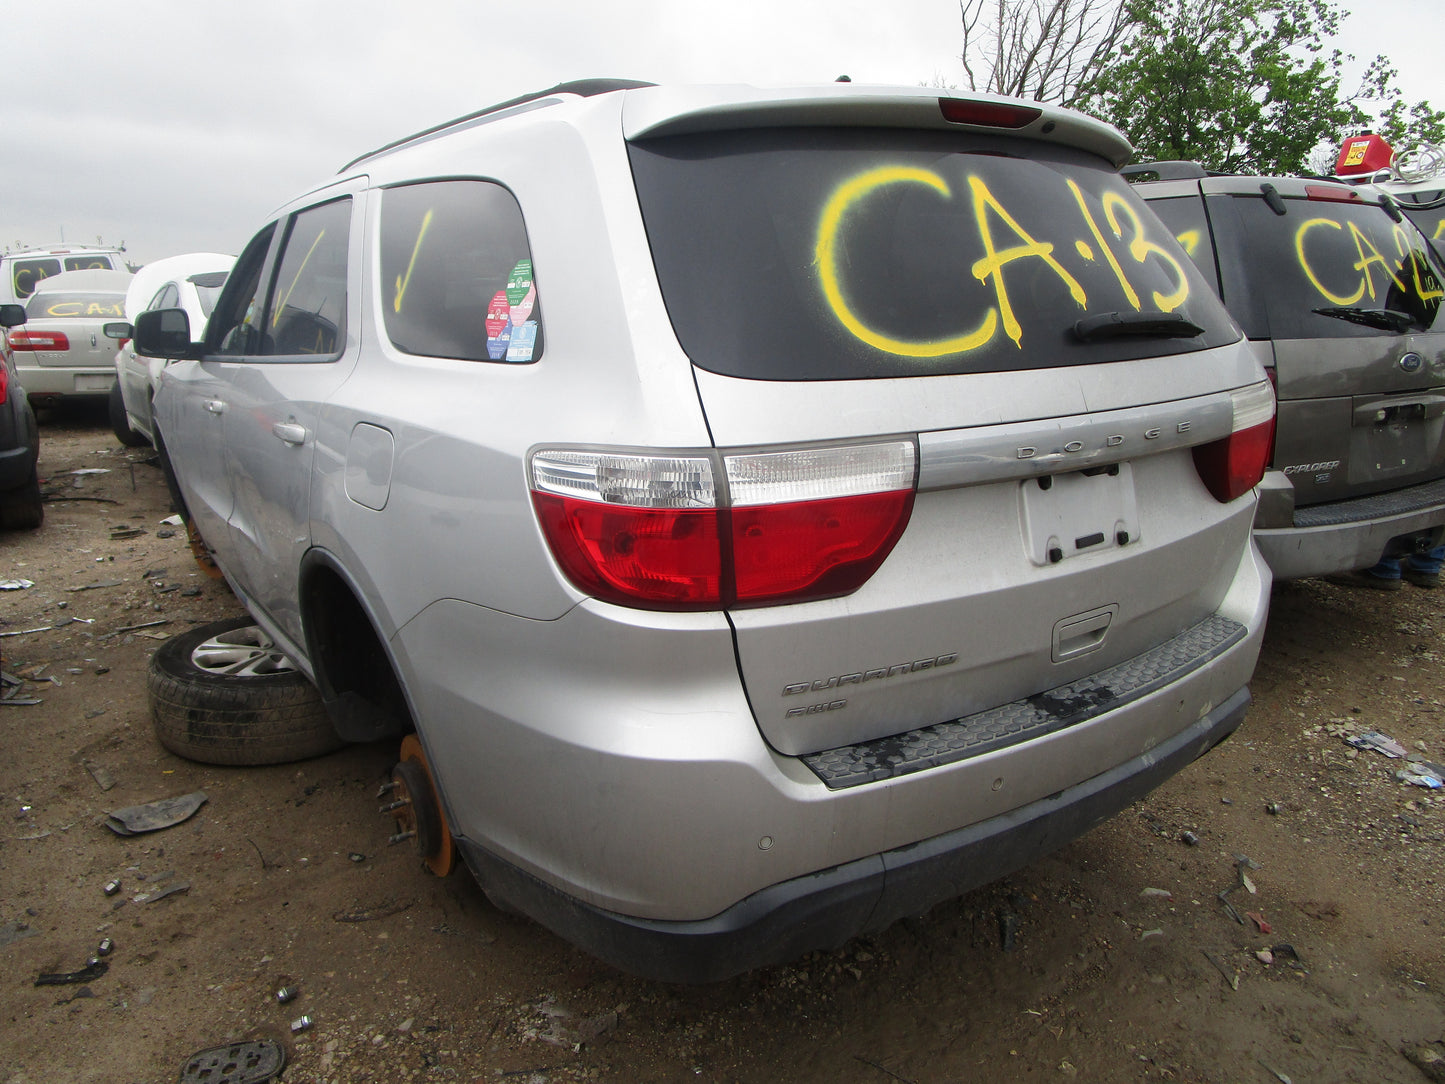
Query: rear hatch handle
[(1399, 408)]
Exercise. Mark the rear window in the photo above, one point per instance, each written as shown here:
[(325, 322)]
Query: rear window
[(64, 305), (845, 253), (88, 263), (24, 274), (1327, 269)]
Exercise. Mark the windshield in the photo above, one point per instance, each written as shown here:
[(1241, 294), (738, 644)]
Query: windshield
[(840, 253)]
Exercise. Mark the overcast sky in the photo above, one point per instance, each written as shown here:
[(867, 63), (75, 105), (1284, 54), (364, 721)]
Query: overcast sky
[(179, 125)]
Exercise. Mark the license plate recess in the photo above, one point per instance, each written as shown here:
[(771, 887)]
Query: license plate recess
[(1066, 515)]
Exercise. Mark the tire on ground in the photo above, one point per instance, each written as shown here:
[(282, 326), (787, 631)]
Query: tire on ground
[(23, 508), (120, 423), (234, 719)]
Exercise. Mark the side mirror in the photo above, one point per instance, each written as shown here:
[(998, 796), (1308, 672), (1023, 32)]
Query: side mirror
[(119, 329), (165, 333), (12, 315)]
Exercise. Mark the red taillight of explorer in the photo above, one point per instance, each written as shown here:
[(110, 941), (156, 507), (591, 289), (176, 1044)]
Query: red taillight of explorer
[(660, 532), (1231, 467), (39, 340), (4, 381)]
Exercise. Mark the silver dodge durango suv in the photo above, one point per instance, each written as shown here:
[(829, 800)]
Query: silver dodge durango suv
[(769, 512)]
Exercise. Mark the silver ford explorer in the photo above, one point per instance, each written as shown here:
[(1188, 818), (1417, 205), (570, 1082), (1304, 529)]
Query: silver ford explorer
[(771, 512), (1340, 294)]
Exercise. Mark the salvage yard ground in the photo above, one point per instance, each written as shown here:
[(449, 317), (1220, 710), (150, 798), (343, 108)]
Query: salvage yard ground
[(1114, 960)]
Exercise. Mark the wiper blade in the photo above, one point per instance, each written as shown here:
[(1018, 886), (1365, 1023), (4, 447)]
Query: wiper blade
[(1381, 319), (1152, 325)]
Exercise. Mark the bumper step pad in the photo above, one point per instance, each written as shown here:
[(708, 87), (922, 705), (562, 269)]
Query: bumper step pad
[(1031, 717)]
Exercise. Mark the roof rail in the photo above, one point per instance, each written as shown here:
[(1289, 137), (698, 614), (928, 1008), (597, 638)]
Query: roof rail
[(1163, 171), (584, 88)]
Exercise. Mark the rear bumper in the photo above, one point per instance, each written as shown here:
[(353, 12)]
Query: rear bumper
[(824, 909), (54, 382), (1344, 535)]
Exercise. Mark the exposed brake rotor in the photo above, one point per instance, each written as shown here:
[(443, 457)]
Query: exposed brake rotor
[(417, 810)]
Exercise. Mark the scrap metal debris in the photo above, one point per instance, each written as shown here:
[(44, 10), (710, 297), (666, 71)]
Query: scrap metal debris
[(1380, 743), (172, 890), (385, 909)]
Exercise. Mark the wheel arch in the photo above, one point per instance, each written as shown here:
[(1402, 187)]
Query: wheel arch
[(352, 662)]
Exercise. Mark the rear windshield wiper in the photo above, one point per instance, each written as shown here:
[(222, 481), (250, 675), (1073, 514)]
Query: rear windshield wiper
[(1383, 319), (1153, 325)]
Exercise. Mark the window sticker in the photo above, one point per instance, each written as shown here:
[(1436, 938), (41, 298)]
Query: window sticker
[(523, 309), (499, 326), (523, 341), (519, 282)]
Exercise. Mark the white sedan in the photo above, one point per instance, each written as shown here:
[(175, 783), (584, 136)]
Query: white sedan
[(191, 282)]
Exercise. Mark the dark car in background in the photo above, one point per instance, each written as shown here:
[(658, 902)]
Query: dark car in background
[(20, 502)]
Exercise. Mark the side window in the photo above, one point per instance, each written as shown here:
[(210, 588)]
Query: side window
[(456, 273), (88, 263), (1186, 221), (168, 297), (235, 327), (306, 313)]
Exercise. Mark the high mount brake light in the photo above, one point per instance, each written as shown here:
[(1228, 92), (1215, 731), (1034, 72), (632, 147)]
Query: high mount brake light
[(1332, 193), (658, 532), (39, 340), (1231, 467), (988, 114)]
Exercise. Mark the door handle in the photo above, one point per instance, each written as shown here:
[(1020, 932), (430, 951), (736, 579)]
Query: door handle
[(290, 432), (216, 406)]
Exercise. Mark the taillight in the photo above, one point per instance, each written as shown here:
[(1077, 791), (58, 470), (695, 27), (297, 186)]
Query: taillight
[(661, 532), (39, 340), (1231, 467), (988, 114), (4, 382)]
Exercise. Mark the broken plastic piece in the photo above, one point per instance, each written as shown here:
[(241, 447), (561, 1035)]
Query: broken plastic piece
[(70, 978), (135, 819), (1259, 921)]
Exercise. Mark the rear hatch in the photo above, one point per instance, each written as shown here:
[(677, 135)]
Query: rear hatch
[(1007, 310), (63, 329), (1349, 295)]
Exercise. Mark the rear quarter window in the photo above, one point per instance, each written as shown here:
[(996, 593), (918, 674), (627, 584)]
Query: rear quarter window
[(845, 253), (456, 273), (1186, 220)]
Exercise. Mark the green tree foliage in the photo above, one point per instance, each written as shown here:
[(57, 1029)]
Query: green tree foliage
[(1243, 86), (1237, 85)]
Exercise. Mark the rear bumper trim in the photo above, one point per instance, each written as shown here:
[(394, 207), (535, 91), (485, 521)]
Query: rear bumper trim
[(822, 910), (1032, 717)]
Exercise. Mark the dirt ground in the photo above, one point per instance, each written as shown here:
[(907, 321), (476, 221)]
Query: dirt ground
[(1113, 960)]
